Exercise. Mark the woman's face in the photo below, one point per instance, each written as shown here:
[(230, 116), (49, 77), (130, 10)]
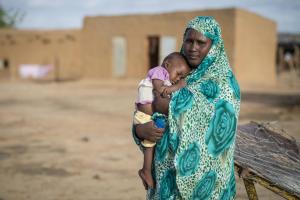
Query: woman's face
[(195, 47)]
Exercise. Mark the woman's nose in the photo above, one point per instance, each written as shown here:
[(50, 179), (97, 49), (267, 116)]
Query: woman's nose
[(194, 46)]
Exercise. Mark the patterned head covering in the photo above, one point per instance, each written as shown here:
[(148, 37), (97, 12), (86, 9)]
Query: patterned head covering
[(194, 159), (210, 28)]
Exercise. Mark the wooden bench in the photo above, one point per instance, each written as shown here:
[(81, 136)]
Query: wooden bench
[(269, 157)]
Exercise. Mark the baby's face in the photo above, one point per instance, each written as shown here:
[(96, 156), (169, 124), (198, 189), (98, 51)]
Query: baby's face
[(178, 70)]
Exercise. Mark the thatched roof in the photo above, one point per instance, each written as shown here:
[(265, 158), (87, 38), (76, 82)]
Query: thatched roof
[(270, 154)]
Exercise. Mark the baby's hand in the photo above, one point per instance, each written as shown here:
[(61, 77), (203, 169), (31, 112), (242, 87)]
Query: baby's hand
[(166, 92), (181, 83)]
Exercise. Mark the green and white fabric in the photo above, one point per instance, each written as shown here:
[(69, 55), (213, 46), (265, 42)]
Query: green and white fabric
[(194, 159)]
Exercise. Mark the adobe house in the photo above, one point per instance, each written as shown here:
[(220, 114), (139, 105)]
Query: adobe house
[(127, 46), (60, 48)]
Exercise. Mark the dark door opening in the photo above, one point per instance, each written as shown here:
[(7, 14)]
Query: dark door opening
[(6, 63), (153, 51)]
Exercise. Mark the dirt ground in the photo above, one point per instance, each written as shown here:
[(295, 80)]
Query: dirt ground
[(72, 140)]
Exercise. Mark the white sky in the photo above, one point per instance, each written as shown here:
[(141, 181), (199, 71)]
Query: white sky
[(58, 14)]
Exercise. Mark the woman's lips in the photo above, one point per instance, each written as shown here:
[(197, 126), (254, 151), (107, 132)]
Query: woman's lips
[(193, 57)]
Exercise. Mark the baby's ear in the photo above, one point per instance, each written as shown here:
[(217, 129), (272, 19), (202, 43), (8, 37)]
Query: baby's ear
[(167, 64)]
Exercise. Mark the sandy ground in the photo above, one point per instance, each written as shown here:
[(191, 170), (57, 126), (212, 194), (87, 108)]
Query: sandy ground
[(72, 141)]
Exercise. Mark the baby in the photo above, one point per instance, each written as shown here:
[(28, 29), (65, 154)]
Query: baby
[(165, 79)]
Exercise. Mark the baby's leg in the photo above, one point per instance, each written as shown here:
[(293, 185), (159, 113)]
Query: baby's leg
[(145, 108), (143, 115), (146, 172)]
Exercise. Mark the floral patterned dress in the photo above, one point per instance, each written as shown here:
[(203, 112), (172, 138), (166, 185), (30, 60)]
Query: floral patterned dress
[(194, 158)]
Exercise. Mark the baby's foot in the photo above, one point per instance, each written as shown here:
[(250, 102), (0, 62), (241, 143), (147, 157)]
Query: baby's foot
[(147, 179)]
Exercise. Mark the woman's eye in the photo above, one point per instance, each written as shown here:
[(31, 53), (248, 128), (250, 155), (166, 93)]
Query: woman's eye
[(189, 41), (201, 43)]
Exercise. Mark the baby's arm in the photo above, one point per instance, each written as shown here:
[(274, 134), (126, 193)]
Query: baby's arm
[(165, 91), (169, 89), (158, 85), (160, 104)]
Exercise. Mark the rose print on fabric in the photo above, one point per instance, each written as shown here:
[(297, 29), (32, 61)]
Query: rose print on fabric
[(221, 131), (181, 101), (173, 142), (205, 186), (234, 85), (230, 189), (188, 160), (162, 146), (210, 89), (168, 184)]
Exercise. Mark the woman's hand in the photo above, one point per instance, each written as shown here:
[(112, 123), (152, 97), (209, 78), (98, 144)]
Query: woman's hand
[(149, 131)]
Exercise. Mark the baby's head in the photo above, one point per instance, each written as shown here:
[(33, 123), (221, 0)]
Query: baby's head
[(177, 67)]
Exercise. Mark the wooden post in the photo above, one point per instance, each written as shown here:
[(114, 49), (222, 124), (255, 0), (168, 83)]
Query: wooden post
[(250, 188)]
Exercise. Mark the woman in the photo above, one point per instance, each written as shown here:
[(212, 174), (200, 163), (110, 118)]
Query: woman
[(194, 155)]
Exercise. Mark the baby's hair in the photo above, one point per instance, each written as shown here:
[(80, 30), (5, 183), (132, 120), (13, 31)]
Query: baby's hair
[(174, 55)]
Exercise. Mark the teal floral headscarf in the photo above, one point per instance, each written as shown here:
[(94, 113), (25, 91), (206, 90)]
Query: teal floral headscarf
[(194, 159)]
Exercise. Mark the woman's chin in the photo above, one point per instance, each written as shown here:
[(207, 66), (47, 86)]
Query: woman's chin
[(194, 65)]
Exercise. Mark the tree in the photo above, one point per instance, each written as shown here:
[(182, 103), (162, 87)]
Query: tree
[(8, 20)]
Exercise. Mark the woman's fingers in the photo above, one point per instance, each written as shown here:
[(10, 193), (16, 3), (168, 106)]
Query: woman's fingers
[(154, 134), (149, 131), (158, 133), (144, 131)]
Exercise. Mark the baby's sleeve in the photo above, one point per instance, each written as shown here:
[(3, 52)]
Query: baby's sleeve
[(159, 73)]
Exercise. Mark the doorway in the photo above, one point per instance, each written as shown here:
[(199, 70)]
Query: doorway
[(4, 68), (153, 51), (4, 64)]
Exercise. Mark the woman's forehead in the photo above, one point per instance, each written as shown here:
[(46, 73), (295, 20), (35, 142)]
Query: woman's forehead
[(192, 33)]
